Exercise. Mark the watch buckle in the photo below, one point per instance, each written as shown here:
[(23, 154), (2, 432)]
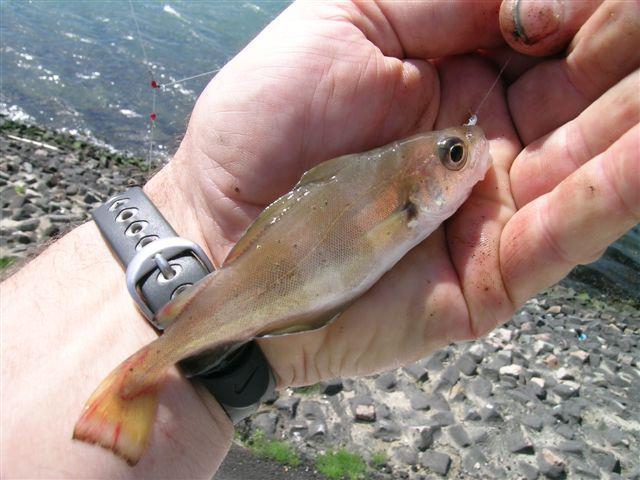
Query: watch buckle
[(156, 255)]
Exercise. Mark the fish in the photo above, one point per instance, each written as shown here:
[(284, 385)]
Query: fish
[(307, 256)]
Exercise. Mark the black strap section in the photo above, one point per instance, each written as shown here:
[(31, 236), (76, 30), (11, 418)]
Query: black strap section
[(243, 380), (130, 221)]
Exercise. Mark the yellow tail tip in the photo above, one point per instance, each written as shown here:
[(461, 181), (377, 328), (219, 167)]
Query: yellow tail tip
[(117, 422)]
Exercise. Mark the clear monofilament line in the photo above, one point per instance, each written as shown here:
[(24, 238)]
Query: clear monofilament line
[(474, 117), (150, 71), (151, 129), (165, 85), (140, 41), (155, 85)]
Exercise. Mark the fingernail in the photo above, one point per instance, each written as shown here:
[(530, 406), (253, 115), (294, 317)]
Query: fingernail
[(536, 19)]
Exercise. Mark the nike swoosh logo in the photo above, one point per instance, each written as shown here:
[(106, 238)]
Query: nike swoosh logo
[(239, 389)]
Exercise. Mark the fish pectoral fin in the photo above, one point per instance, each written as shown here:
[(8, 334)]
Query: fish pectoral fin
[(394, 226), (301, 328)]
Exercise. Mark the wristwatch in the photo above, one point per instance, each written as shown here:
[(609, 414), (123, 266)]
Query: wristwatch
[(159, 267)]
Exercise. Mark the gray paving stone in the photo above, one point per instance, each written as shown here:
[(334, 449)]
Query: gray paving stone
[(437, 462), (459, 436), (551, 465)]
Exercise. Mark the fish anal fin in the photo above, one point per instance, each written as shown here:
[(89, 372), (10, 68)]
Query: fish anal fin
[(299, 328), (208, 359)]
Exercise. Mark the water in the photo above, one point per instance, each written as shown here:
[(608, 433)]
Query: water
[(79, 66)]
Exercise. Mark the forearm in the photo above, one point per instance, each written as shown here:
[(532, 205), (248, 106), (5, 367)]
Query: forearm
[(67, 321)]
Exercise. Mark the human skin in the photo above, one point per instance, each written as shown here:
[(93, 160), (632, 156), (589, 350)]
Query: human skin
[(323, 80)]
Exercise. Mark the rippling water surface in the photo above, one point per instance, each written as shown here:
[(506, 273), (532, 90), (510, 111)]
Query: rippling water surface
[(80, 66)]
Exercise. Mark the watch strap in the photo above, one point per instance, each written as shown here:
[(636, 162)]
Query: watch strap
[(129, 222), (244, 384), (160, 265)]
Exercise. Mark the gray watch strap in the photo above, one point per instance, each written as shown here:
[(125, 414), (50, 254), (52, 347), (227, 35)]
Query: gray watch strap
[(129, 222), (159, 267)]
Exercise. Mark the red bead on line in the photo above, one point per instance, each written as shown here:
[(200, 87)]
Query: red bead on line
[(153, 117), (154, 84)]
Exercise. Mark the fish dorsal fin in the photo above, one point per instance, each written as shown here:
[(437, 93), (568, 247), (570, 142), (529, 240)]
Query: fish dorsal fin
[(320, 173), (323, 171), (253, 233)]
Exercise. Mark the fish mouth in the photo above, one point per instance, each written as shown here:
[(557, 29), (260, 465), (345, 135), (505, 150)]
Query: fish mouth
[(479, 146), (482, 157)]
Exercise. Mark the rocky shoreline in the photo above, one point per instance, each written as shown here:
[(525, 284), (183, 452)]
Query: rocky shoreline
[(553, 393), (49, 182)]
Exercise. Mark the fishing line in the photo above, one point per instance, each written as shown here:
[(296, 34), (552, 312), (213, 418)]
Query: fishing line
[(165, 85), (155, 86), (474, 117), (152, 127), (140, 41), (153, 83)]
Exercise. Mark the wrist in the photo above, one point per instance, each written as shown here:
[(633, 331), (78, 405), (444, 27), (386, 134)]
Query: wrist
[(178, 201), (200, 200), (74, 298)]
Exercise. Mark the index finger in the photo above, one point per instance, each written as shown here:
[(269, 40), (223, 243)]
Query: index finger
[(575, 222)]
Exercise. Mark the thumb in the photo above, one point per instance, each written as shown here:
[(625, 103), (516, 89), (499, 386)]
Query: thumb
[(543, 27)]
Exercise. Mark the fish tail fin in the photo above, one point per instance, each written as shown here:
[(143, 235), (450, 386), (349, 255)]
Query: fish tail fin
[(120, 414)]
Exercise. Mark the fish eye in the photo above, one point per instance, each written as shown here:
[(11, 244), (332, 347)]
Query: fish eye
[(452, 153)]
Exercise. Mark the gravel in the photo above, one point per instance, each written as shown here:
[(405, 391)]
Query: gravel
[(45, 190), (554, 398)]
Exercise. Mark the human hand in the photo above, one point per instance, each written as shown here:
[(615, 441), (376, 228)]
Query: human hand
[(577, 181), (325, 80)]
